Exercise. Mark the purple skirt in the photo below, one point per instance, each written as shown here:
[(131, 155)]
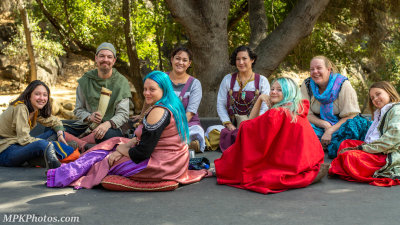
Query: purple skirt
[(71, 172)]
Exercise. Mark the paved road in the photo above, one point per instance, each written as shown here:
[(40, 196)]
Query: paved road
[(332, 201)]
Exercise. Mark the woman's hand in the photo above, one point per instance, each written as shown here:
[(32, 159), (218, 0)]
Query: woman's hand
[(123, 149), (230, 127), (346, 149), (326, 138), (265, 98), (114, 157), (62, 139)]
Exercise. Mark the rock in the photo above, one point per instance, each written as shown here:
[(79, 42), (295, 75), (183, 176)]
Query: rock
[(69, 115), (4, 62), (45, 76), (68, 106), (10, 72), (55, 106)]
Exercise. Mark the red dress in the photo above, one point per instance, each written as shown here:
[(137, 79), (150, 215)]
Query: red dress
[(271, 154), (360, 166)]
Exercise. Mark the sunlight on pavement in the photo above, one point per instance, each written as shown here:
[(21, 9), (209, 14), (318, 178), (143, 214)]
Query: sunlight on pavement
[(338, 191), (16, 184), (16, 204)]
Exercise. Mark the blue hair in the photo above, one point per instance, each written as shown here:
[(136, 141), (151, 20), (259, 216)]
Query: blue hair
[(171, 102), (291, 97)]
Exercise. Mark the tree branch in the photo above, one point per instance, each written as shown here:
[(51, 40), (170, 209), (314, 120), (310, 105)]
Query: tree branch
[(242, 11), (258, 22), (297, 25)]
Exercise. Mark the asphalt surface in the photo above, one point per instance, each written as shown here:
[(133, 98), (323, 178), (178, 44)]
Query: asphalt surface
[(24, 199)]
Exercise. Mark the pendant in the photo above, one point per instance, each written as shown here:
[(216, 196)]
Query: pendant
[(243, 95)]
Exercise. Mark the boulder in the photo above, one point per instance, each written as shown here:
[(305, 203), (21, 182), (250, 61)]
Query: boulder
[(10, 72), (45, 76), (55, 106), (4, 62), (68, 106), (69, 115)]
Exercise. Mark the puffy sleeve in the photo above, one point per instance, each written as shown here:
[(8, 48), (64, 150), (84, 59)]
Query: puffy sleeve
[(222, 99), (264, 89), (348, 103), (305, 95), (390, 139)]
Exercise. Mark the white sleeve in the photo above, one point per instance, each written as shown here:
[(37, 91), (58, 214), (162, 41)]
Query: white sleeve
[(222, 99), (264, 89)]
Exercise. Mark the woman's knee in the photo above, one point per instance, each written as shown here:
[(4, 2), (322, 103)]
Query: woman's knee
[(40, 144)]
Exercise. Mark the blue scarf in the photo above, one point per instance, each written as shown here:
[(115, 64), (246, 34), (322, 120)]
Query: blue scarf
[(328, 96)]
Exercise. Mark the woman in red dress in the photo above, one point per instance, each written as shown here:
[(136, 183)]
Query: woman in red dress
[(276, 151), (376, 159)]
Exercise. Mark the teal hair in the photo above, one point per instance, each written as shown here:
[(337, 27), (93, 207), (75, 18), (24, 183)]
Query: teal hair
[(171, 102), (291, 97)]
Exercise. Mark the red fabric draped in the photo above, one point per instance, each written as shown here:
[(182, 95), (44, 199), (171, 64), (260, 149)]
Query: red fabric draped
[(360, 166), (271, 154)]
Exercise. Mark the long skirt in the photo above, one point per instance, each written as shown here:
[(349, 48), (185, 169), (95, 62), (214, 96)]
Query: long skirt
[(360, 166)]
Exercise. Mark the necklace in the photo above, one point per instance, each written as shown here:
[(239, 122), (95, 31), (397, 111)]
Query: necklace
[(242, 94)]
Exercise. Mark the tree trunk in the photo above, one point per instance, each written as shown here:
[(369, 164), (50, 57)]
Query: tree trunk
[(258, 22), (205, 23), (297, 25), (29, 45), (134, 66)]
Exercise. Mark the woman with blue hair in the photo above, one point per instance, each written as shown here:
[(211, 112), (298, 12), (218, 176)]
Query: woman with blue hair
[(276, 151), (158, 152)]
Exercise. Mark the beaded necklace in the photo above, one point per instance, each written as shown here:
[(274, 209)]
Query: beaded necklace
[(241, 98)]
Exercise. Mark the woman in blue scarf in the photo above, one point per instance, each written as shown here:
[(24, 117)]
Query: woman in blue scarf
[(332, 100)]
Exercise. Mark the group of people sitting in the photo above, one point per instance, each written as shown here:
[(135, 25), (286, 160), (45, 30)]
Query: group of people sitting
[(273, 137)]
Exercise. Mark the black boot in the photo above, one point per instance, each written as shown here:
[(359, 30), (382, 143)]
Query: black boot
[(50, 157)]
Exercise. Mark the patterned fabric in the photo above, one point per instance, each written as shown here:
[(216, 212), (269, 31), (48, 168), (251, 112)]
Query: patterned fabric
[(355, 129), (328, 96), (120, 183)]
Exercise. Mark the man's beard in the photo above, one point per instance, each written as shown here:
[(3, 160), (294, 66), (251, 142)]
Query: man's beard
[(105, 70)]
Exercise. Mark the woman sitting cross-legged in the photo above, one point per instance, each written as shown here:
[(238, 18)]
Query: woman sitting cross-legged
[(375, 160), (333, 101), (17, 146), (277, 150), (159, 152), (238, 93), (188, 89)]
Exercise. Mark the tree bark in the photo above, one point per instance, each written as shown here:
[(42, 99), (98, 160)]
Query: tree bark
[(258, 22), (205, 23), (29, 45), (297, 25), (134, 66)]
